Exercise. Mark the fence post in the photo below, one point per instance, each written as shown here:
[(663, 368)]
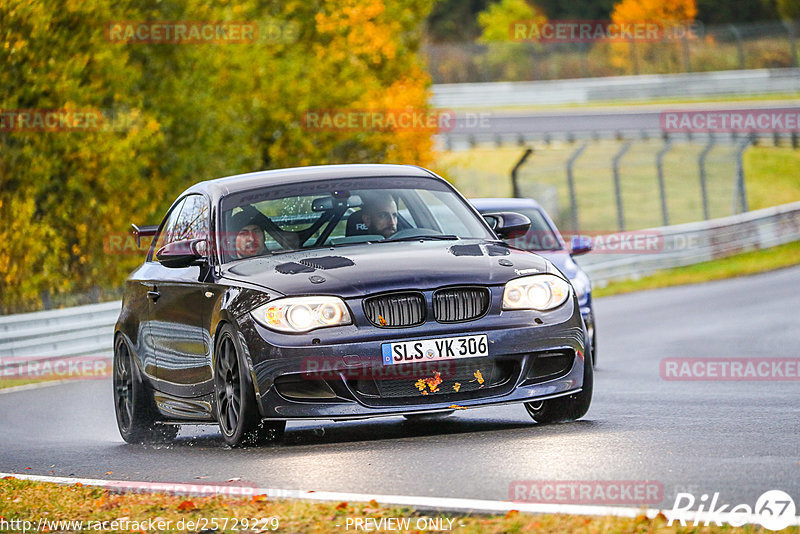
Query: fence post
[(701, 163), (739, 46), (741, 191), (573, 198), (789, 25), (617, 186), (634, 56), (687, 64), (514, 182), (662, 190)]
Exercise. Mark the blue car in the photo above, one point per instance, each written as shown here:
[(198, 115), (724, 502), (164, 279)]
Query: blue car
[(544, 239)]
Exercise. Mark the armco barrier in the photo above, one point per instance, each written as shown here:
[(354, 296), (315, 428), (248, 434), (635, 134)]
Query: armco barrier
[(641, 87), (79, 331), (88, 330), (690, 243)]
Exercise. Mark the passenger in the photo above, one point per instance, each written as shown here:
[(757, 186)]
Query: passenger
[(248, 235), (379, 214)]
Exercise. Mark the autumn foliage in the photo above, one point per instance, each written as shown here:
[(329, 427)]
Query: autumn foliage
[(178, 114), (666, 13)]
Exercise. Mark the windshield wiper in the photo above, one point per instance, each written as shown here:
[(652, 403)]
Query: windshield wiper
[(442, 237)]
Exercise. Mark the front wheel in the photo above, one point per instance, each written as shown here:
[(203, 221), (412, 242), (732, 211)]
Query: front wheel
[(569, 407), (133, 402), (236, 409)]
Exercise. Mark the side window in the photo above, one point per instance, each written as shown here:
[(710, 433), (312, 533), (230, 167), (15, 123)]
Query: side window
[(192, 222), (167, 234)]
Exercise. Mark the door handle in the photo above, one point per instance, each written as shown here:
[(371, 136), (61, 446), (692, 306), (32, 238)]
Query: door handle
[(154, 294)]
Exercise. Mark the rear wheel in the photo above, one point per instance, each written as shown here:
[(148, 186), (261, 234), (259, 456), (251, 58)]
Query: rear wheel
[(137, 416), (569, 407), (237, 412)]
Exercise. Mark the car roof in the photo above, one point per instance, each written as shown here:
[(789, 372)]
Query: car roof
[(242, 182), (504, 203)]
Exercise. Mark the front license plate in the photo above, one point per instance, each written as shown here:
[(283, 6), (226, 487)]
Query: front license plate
[(444, 348)]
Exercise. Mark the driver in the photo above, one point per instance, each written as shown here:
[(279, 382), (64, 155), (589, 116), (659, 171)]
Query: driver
[(379, 214), (248, 235)]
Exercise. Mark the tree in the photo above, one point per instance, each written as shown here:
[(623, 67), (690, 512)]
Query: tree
[(666, 13), (195, 112), (508, 60)]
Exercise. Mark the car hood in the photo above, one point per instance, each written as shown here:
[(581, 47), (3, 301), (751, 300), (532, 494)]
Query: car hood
[(358, 270), (562, 260)]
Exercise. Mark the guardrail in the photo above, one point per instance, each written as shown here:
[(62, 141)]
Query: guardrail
[(629, 88), (79, 331), (697, 242), (88, 330)]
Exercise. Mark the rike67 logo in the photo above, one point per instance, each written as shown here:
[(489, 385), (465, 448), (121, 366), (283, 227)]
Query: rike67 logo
[(774, 509)]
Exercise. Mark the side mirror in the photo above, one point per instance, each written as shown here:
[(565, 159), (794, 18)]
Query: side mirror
[(183, 253), (507, 224), (580, 244)]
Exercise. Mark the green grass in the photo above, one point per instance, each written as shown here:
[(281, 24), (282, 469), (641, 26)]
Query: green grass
[(772, 176), (32, 501), (738, 265)]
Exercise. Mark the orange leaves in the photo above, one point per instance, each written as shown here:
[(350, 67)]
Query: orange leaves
[(431, 383), (665, 13), (363, 26), (660, 11), (186, 506)]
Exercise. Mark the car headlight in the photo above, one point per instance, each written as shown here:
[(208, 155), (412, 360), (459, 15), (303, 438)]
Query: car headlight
[(302, 314), (535, 292)]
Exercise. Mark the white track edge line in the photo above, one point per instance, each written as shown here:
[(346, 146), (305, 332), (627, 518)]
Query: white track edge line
[(36, 385), (440, 503)]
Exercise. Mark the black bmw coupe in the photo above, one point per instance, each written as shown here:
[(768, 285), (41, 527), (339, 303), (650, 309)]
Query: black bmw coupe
[(340, 292)]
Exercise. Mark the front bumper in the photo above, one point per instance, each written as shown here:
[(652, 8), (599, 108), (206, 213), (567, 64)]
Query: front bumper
[(532, 356)]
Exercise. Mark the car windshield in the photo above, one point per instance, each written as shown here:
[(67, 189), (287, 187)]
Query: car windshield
[(540, 237), (311, 215)]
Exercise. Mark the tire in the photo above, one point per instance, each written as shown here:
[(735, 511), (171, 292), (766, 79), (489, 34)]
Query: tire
[(235, 401), (135, 410), (569, 407), (420, 417)]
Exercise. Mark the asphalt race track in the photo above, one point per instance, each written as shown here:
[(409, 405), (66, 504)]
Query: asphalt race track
[(738, 438)]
